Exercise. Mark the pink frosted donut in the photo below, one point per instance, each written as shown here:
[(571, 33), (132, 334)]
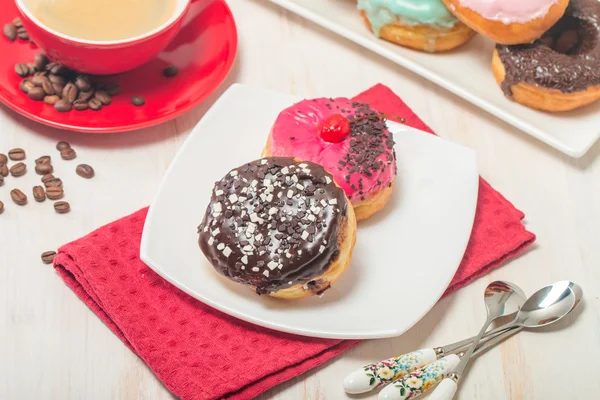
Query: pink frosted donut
[(349, 139)]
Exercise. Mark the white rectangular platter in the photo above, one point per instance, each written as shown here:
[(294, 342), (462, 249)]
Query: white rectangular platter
[(465, 72)]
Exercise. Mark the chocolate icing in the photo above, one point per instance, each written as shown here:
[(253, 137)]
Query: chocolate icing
[(273, 223), (540, 65)]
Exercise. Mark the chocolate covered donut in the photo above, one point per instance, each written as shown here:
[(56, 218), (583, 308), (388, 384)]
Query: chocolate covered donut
[(280, 226), (561, 70)]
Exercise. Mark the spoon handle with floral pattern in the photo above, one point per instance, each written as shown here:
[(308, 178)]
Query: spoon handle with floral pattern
[(420, 381), (375, 375)]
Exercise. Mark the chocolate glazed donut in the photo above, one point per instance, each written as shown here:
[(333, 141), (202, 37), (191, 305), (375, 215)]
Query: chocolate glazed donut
[(279, 225), (561, 70)]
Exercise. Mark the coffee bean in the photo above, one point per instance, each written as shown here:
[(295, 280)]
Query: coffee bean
[(39, 194), (113, 89), (100, 86), (170, 71), (22, 70), (52, 182), (26, 85), (48, 257), (60, 146), (38, 80), (44, 168), (36, 93), (40, 60), (83, 83), (48, 87), (32, 69), (55, 192), (10, 31), (3, 159), (138, 101), (68, 154), (16, 154), (52, 100), (47, 177), (58, 89), (70, 92), (80, 105), (3, 170), (18, 197), (17, 22), (85, 171), (19, 169), (62, 207), (43, 160), (57, 79), (63, 106), (23, 35), (85, 95), (103, 97), (1, 207), (95, 104), (58, 69)]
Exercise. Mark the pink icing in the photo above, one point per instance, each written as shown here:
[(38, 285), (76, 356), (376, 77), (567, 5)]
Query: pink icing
[(296, 133), (510, 11)]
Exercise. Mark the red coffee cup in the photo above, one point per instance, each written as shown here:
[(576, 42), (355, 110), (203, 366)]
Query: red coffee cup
[(102, 57)]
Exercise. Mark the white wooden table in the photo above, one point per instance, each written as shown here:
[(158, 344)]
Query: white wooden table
[(53, 347)]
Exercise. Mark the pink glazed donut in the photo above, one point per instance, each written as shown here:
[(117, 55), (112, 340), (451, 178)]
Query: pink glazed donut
[(349, 139)]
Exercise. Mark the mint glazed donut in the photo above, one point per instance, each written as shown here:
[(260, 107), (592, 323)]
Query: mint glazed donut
[(425, 25)]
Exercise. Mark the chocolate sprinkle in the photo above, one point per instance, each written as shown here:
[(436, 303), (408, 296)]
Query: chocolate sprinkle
[(278, 229)]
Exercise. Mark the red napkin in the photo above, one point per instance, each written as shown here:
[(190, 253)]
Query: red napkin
[(200, 353)]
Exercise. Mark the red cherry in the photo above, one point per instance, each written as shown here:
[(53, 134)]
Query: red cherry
[(335, 128)]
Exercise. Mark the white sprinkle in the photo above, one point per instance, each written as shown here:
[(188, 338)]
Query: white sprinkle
[(299, 252), (302, 165), (254, 183), (333, 201), (216, 215), (300, 187), (323, 203), (227, 252), (266, 273), (279, 195), (290, 282), (267, 182), (270, 197), (244, 259), (216, 231), (324, 241), (304, 235), (327, 180), (295, 178), (283, 219), (233, 198), (288, 255), (311, 218), (255, 269), (285, 170), (272, 265), (221, 246), (251, 228), (263, 197), (263, 161), (306, 171), (254, 217), (244, 190), (321, 249), (280, 266), (261, 253), (205, 229), (243, 213), (305, 286), (211, 240), (242, 198), (247, 248), (243, 267), (290, 194), (219, 192), (273, 210), (248, 235), (233, 173), (259, 237), (217, 207)]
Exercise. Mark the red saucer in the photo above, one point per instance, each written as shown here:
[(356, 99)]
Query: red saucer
[(204, 51)]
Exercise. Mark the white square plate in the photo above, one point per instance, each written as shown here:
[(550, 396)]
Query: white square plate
[(404, 257), (465, 72)]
